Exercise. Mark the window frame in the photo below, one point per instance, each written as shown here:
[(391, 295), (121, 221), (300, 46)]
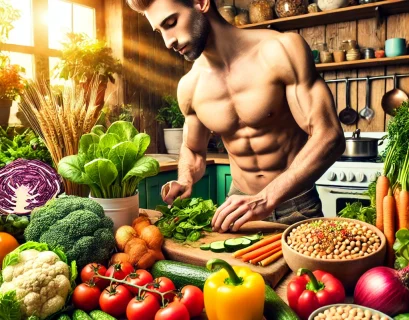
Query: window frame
[(40, 49)]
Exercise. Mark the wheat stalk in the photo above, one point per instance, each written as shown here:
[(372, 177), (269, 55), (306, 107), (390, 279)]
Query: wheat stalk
[(61, 119)]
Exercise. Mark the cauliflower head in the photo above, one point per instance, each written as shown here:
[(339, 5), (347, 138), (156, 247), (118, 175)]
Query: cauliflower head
[(39, 277)]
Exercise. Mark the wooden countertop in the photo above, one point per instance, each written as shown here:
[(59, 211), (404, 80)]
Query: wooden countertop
[(169, 162)]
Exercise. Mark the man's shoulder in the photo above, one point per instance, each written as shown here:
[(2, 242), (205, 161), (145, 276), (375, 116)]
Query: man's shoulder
[(281, 42), (186, 88)]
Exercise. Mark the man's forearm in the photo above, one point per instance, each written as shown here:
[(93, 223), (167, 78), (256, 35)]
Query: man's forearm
[(192, 165), (311, 162)]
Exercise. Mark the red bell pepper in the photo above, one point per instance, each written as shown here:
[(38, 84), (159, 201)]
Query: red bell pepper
[(309, 291)]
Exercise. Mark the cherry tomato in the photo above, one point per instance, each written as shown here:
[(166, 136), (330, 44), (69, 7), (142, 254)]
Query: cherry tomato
[(86, 296), (192, 297), (173, 311), (144, 307), (140, 278), (119, 270), (163, 284), (114, 300), (90, 270)]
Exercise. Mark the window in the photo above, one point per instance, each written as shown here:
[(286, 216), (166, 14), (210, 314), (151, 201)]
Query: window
[(35, 40)]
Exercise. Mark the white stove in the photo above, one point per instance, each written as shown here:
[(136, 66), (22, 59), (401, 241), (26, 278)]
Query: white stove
[(347, 181)]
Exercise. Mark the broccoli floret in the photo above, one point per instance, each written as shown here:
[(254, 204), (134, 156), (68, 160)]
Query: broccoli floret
[(76, 225)]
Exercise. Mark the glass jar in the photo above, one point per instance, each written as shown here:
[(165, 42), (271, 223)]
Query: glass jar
[(242, 18), (228, 13), (290, 8), (260, 10)]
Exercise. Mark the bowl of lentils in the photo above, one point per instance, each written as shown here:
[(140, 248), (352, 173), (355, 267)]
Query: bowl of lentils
[(346, 248), (348, 312)]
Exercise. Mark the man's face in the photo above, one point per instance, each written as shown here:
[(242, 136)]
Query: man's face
[(183, 28)]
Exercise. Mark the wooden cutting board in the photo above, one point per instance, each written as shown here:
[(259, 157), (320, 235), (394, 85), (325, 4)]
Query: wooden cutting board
[(272, 274)]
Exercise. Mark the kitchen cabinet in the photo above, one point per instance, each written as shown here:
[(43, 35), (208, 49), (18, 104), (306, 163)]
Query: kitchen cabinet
[(223, 182)]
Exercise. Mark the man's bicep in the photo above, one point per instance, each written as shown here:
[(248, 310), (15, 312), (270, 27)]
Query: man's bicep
[(195, 134)]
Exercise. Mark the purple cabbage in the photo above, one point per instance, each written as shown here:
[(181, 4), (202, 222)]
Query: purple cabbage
[(27, 184)]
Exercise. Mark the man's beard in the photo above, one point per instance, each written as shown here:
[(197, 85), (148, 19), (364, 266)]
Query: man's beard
[(200, 33)]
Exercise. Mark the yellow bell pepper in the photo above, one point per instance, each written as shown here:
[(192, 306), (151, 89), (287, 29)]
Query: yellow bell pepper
[(233, 293)]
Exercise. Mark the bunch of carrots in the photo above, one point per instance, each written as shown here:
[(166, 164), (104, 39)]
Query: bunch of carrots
[(392, 198), (262, 253)]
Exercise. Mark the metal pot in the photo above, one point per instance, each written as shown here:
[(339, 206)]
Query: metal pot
[(357, 147)]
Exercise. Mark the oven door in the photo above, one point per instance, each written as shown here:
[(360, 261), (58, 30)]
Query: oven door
[(334, 199)]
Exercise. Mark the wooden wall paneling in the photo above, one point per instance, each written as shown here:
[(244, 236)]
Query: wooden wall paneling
[(397, 27), (372, 35), (313, 35), (332, 87)]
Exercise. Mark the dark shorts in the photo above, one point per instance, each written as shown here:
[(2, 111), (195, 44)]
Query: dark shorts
[(304, 206)]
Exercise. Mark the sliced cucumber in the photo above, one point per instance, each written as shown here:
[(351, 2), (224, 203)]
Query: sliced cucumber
[(254, 238), (217, 246), (233, 244), (245, 242), (205, 246)]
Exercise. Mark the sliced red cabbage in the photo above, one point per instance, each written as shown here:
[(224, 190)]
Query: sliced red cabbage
[(27, 184)]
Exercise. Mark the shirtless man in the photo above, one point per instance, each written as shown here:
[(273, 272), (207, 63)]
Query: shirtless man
[(260, 91)]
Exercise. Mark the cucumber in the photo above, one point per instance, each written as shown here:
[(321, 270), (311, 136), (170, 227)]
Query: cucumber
[(100, 315), (183, 274), (64, 317), (217, 246), (254, 238), (80, 315), (235, 244), (205, 246)]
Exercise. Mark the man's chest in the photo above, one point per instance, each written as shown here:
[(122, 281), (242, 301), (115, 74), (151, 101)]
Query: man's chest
[(247, 97)]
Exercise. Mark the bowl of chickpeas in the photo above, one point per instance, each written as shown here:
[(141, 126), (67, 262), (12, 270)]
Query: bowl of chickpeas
[(346, 248), (347, 312)]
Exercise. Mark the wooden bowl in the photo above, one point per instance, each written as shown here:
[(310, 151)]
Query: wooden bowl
[(347, 271), (322, 310)]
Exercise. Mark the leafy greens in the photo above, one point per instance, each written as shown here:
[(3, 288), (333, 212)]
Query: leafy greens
[(401, 247), (356, 211), (185, 220)]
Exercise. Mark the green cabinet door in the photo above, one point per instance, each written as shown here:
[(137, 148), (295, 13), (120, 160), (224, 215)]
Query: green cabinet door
[(223, 182), (204, 188)]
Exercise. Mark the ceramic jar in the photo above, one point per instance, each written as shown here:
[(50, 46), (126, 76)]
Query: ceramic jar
[(228, 13), (260, 10), (290, 8), (325, 5)]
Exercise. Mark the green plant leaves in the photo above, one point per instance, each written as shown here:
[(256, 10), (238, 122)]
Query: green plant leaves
[(123, 156), (102, 172), (124, 129), (107, 142), (143, 168), (98, 130), (71, 168), (142, 140)]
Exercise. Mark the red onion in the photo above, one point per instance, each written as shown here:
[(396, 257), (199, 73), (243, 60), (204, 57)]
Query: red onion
[(384, 289)]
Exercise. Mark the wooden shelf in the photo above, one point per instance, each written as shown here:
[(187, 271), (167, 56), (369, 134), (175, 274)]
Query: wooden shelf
[(380, 62), (364, 11)]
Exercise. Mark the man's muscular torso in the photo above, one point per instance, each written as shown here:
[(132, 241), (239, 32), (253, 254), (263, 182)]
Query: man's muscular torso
[(247, 106)]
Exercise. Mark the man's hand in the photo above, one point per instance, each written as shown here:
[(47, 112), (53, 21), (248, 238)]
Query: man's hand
[(237, 210), (171, 190)]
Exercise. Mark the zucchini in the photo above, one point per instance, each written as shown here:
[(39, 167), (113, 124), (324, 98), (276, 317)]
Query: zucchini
[(183, 274), (235, 244), (254, 238), (217, 246), (100, 315), (64, 316), (205, 246), (80, 315)]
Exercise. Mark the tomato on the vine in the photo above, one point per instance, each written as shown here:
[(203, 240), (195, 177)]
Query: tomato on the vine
[(163, 284), (192, 297), (140, 278), (86, 296), (119, 270), (173, 311), (114, 300), (143, 307), (90, 270)]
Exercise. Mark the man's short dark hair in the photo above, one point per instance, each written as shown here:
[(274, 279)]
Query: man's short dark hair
[(142, 5)]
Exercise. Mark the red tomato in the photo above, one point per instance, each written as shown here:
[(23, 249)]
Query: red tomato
[(144, 307), (90, 270), (193, 299), (114, 300), (86, 297), (163, 284), (173, 311), (119, 270), (140, 278)]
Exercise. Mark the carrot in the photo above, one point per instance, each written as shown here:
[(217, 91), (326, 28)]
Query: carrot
[(271, 259), (382, 187), (396, 195), (389, 215), (258, 244), (403, 217), (255, 253), (264, 256)]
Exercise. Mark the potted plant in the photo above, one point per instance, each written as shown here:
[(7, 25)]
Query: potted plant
[(169, 115), (112, 162), (83, 58)]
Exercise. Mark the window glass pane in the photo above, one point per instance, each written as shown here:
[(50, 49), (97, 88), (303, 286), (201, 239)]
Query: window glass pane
[(24, 60), (54, 80), (59, 22), (84, 20), (22, 33)]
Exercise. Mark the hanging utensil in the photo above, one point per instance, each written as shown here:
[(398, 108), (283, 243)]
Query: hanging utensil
[(392, 99), (367, 113), (348, 116)]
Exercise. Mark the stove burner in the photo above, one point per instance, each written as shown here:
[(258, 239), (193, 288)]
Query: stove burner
[(377, 159)]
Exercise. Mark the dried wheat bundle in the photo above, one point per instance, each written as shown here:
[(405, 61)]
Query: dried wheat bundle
[(61, 118)]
